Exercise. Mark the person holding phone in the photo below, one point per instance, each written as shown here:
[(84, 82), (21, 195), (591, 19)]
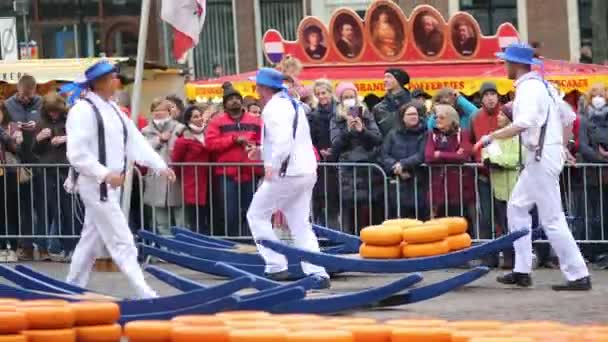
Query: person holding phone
[(24, 110), (355, 138)]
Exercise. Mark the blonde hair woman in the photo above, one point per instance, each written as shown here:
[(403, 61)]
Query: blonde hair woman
[(595, 101)]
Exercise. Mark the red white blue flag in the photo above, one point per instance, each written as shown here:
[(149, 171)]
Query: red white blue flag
[(187, 18)]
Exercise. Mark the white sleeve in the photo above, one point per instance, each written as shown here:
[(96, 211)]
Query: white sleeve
[(80, 123), (140, 150), (565, 112), (530, 108), (279, 125)]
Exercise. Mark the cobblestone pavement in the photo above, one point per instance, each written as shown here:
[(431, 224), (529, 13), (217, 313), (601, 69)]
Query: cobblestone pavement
[(483, 299)]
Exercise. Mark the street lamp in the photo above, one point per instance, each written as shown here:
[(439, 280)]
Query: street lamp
[(21, 7)]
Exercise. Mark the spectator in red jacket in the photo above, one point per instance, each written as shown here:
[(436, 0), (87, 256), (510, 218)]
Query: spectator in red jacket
[(190, 148), (228, 136)]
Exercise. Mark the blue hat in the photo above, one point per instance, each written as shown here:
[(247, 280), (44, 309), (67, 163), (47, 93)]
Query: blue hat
[(270, 78), (520, 53), (93, 73)]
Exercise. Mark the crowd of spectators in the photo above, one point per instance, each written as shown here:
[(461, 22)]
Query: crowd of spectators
[(406, 154)]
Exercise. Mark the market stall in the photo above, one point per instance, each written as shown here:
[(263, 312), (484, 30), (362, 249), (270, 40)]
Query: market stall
[(436, 53), (159, 80)]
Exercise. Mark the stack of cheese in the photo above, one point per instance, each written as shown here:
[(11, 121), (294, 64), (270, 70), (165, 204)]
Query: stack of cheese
[(59, 321), (436, 237), (385, 241)]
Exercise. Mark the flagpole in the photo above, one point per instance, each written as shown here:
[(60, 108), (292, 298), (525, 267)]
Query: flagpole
[(136, 94)]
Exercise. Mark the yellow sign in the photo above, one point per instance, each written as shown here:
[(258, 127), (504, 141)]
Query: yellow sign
[(465, 85)]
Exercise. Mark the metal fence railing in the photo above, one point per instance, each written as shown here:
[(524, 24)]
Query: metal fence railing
[(213, 199)]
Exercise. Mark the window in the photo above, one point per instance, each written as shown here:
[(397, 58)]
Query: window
[(584, 19), (121, 7), (216, 44), (282, 15), (491, 13)]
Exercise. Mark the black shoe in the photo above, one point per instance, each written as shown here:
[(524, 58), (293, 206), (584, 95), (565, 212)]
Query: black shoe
[(321, 282), (583, 284), (515, 278), (278, 276)]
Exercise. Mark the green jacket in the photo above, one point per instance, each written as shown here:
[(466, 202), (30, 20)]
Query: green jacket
[(505, 167)]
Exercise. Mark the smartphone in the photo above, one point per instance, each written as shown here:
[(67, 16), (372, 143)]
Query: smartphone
[(355, 111)]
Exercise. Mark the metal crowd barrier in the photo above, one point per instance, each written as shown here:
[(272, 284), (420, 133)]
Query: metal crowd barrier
[(348, 196)]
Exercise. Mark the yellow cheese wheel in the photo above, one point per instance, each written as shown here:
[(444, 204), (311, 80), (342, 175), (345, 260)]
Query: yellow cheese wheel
[(243, 315), (421, 335), (501, 339), (148, 331), (320, 336), (380, 252), (369, 332), (12, 322), (48, 317), (95, 313), (7, 307), (99, 333), (297, 318), (59, 335), (9, 301), (533, 326), (595, 337), (475, 325), (548, 336), (13, 338), (382, 235), (425, 233), (43, 302), (253, 324), (426, 249), (258, 335), (198, 320), (403, 223), (458, 242), (456, 225), (315, 325), (183, 333)]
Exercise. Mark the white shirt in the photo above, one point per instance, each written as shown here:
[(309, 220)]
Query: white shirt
[(532, 101), (82, 141), (278, 142)]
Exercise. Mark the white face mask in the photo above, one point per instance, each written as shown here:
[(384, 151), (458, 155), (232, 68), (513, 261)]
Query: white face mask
[(598, 102), (161, 122), (349, 103)]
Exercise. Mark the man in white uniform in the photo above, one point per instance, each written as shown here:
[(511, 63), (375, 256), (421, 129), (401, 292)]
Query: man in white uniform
[(99, 182), (290, 173), (543, 119)]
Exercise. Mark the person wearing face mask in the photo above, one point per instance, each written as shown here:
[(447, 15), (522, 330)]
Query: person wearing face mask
[(163, 199), (593, 148), (190, 148), (355, 138)]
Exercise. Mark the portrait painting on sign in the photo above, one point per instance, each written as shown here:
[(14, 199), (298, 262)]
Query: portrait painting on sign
[(429, 35), (314, 40), (348, 35), (387, 31), (464, 35)]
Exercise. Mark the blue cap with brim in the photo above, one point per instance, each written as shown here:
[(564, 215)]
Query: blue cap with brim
[(520, 53), (92, 74), (269, 77)]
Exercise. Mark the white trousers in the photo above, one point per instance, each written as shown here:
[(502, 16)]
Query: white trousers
[(292, 196), (106, 226), (539, 184)]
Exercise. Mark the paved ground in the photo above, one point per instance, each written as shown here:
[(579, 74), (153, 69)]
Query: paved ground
[(483, 299)]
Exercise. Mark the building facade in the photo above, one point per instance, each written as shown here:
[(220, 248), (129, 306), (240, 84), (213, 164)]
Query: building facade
[(234, 28)]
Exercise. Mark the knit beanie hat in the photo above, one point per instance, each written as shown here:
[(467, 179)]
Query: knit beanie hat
[(344, 86), (400, 75), (230, 91)]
